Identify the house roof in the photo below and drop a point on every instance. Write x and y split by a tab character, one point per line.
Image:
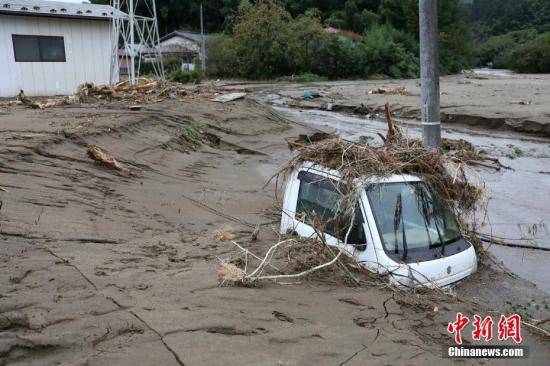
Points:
59	9
344	32
192	36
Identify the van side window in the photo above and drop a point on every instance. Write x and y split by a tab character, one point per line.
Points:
319	204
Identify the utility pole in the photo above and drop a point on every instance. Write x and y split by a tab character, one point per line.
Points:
203	47
429	74
131	22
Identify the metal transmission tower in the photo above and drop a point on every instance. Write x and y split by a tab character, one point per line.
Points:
136	36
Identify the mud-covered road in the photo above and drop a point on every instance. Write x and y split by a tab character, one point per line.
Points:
100	267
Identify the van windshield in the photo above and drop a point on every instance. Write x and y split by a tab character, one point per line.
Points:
411	219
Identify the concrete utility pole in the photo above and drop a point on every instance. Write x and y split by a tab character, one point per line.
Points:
429	74
203	47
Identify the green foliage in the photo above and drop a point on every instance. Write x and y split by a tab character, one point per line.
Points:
303	78
496	17
262	41
267	42
455	38
522	51
533	56
185	76
512	34
390	52
352	18
270	38
221	59
192	133
498	50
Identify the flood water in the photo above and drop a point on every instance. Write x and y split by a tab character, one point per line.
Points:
492	72
519	198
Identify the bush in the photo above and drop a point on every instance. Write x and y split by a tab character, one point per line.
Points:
263	41
388	51
497	50
267	43
303	78
185	76
220	56
533	57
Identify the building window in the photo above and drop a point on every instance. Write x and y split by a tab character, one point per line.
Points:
38	48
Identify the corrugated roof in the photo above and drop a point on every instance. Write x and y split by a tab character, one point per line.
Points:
193	36
59	9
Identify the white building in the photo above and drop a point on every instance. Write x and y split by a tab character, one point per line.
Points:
49	48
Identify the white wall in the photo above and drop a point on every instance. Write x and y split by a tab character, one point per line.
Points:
181	42
87	54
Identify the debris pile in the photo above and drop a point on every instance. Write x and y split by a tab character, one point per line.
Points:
445	174
387	90
293	258
25	100
147	91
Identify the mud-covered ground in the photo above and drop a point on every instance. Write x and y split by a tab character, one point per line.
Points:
100	267
517	102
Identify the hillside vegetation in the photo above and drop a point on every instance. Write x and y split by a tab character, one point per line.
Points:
261	39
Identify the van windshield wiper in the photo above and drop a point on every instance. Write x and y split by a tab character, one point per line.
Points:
432	217
398	219
440	237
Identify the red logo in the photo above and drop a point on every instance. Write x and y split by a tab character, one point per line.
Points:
482	328
457	326
508	328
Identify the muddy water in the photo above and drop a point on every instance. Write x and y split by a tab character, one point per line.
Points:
519	198
492	72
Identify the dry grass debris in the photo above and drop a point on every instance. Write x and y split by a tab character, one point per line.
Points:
25	100
97	154
387	90
231	274
145	92
224	234
446	175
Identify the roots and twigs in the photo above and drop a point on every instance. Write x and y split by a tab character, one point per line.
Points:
103	158
255	233
86	90
25	100
491	239
449	176
398	90
537	329
295	258
146	91
224	234
467	152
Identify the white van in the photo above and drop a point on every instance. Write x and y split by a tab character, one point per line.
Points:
401	228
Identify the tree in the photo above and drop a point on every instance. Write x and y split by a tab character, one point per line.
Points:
263	41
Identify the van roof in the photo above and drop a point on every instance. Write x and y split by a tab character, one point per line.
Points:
395	178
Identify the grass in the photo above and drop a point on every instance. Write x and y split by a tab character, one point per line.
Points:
303	78
192	133
515	153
